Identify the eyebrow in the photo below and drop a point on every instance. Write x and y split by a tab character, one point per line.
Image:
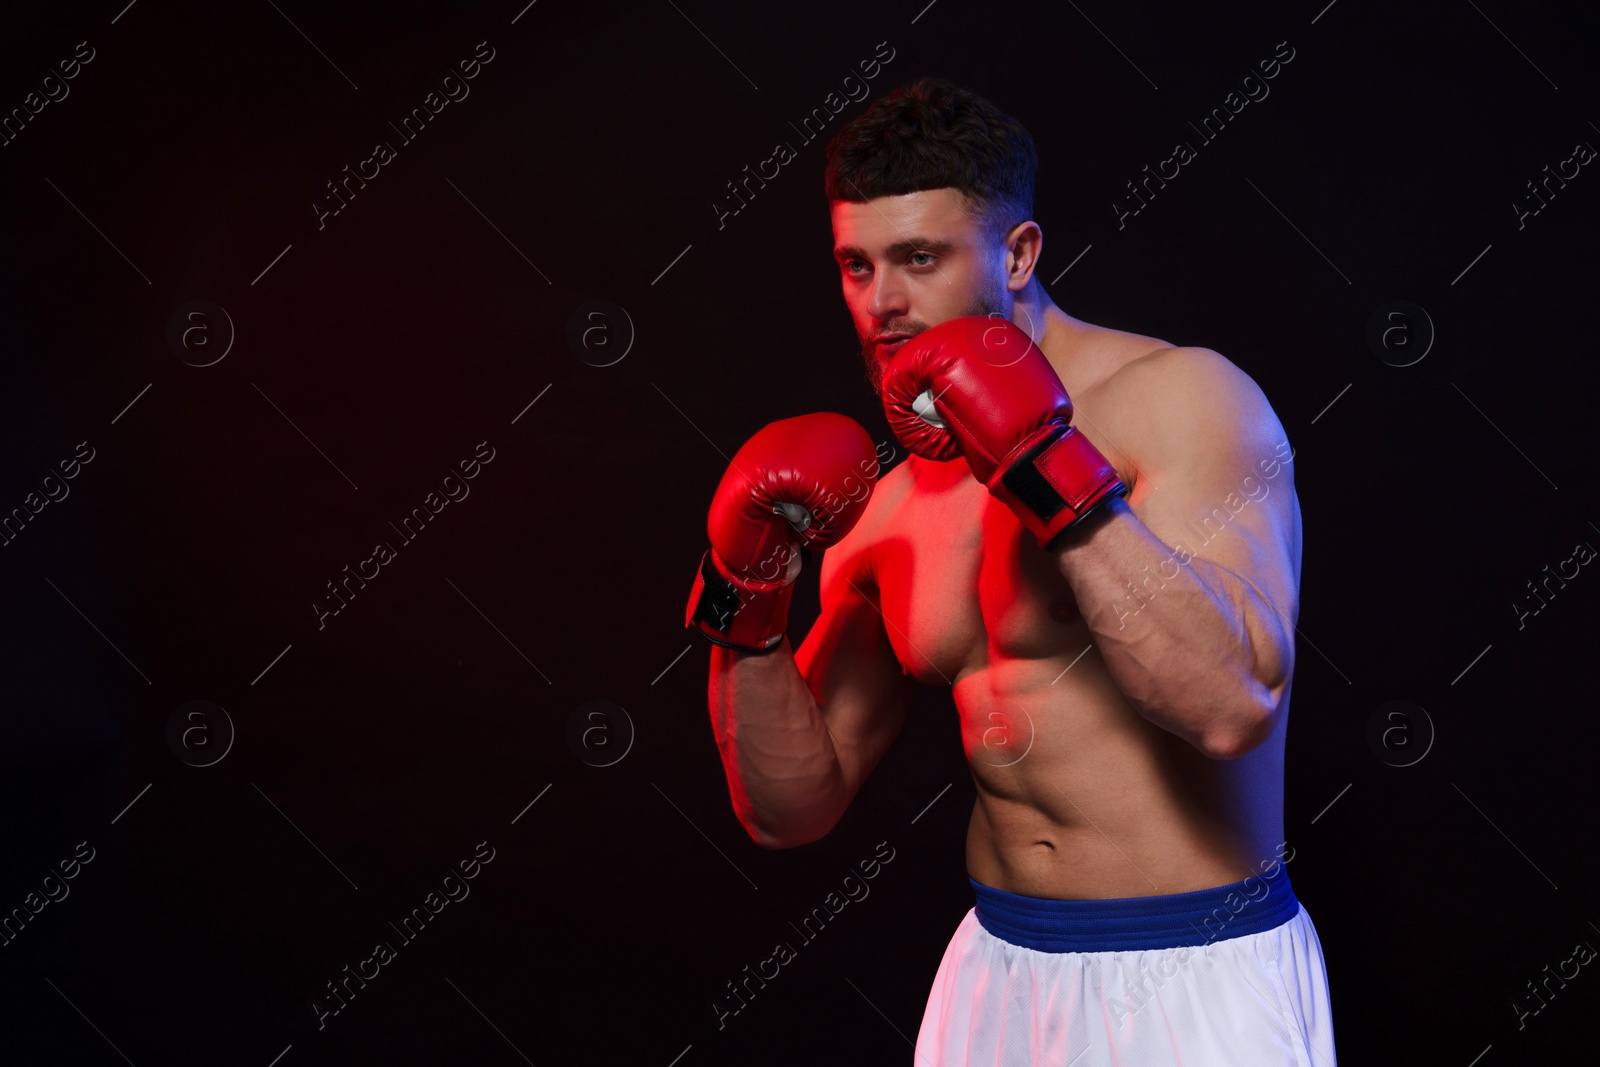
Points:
899	248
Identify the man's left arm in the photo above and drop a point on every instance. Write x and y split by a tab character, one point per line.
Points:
1190	586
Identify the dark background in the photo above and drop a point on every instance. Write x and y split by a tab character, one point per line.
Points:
423	719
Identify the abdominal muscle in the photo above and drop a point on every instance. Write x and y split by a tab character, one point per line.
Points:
1080	797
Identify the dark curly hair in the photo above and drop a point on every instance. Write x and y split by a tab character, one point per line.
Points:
933	134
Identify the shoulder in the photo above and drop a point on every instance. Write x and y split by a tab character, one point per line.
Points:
1090	356
1186	376
1181	413
1172	393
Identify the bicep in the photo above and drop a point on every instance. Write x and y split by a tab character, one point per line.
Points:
851	668
1219	481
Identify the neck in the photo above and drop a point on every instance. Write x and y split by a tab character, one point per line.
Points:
1034	311
1057	334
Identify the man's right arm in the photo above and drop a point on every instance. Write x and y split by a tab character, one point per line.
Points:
800	731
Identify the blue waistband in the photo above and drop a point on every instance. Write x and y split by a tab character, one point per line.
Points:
1127	924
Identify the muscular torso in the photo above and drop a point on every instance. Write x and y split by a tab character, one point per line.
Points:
1079	796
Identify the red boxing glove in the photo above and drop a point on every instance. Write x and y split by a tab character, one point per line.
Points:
980	388
799	484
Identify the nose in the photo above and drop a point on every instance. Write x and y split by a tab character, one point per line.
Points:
888	297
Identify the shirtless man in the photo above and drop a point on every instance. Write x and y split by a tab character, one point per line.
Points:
1112	605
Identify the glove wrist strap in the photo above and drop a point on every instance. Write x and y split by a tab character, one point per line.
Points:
744	614
1055	483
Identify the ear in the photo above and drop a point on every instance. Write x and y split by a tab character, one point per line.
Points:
1024	243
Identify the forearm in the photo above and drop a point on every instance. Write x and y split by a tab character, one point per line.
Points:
784	776
1197	650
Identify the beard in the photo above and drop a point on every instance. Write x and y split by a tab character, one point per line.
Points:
986	303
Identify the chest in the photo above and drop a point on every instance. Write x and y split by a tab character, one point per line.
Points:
962	583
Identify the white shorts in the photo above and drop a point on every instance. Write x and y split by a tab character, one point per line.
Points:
1231	976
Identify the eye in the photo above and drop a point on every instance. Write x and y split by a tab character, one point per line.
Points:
928	256
851	264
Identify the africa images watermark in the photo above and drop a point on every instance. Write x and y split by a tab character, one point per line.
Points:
855	889
1582	953
1211	126
1151	980
16	120
1582	153
455	889
1582	554
410	528
411	126
855	489
1253	488
33	503
855	90
54	889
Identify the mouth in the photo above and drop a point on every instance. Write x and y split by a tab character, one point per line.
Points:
888	344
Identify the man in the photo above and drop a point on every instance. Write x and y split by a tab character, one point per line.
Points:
1096	544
